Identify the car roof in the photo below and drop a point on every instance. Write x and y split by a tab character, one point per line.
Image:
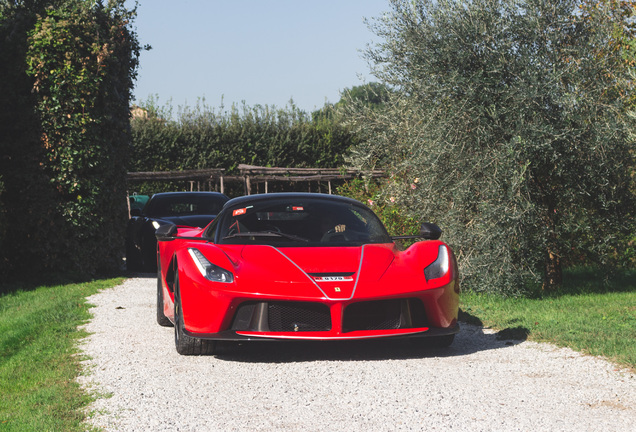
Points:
188	193
290	195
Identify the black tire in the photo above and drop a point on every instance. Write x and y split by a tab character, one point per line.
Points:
149	255
162	319
187	345
133	260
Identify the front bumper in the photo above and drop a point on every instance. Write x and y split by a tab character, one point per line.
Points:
298	320
231	335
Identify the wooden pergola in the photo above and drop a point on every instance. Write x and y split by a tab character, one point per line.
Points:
250	175
200	177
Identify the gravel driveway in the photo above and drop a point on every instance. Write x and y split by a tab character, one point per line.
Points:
478	384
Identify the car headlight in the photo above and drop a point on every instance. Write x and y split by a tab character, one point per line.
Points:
156	224
439	267
208	270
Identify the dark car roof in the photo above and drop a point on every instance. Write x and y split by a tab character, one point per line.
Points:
290	195
159	205
159	194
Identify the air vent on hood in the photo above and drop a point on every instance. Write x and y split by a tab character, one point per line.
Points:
342	274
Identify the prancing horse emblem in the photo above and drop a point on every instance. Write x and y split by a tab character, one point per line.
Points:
337	289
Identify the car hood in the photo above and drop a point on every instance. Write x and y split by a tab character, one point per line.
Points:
324	272
199	221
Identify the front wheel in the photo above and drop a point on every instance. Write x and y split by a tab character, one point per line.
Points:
133	259
187	345
149	255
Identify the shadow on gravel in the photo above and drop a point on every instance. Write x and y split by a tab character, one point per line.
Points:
141	275
469	340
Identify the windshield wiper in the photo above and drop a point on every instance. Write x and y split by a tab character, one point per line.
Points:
266	234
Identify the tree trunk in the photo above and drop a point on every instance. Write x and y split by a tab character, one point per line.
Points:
553	272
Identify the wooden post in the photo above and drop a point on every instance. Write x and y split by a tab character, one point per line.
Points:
329	181
222	186
265	186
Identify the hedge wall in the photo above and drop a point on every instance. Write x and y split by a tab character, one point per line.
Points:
68	72
205	137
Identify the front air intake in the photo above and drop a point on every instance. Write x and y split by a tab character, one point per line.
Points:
384	315
282	316
298	316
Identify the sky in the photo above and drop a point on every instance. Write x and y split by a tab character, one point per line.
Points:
261	52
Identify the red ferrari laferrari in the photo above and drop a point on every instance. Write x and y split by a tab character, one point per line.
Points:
302	266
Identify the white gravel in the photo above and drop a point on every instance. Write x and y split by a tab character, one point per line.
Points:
478	384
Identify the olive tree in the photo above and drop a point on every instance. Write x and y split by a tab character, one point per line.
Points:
506	128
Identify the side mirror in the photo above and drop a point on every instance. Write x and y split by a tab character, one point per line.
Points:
135	212
167	232
430	231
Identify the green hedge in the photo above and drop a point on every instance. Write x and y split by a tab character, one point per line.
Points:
205	137
68	72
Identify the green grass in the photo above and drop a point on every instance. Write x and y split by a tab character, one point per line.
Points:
589	315
39	358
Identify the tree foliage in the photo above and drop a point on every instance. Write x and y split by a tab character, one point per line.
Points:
390	213
620	43
506	129
373	94
69	74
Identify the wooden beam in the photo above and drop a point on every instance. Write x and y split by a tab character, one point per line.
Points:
252	169
202	174
251	174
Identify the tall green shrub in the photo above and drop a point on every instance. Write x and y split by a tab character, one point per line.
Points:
28	199
74	93
3	212
205	137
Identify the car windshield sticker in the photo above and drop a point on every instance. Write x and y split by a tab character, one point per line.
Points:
241	211
295	208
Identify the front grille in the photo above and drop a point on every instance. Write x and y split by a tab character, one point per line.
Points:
290	316
282	317
384	315
298	316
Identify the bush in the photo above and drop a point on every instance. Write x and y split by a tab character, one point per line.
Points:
68	134
205	137
370	193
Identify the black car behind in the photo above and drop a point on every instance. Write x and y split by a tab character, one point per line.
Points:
192	209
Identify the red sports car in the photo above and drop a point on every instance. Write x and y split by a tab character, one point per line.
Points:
302	266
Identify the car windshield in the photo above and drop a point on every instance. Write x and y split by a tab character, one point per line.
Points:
184	204
300	222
